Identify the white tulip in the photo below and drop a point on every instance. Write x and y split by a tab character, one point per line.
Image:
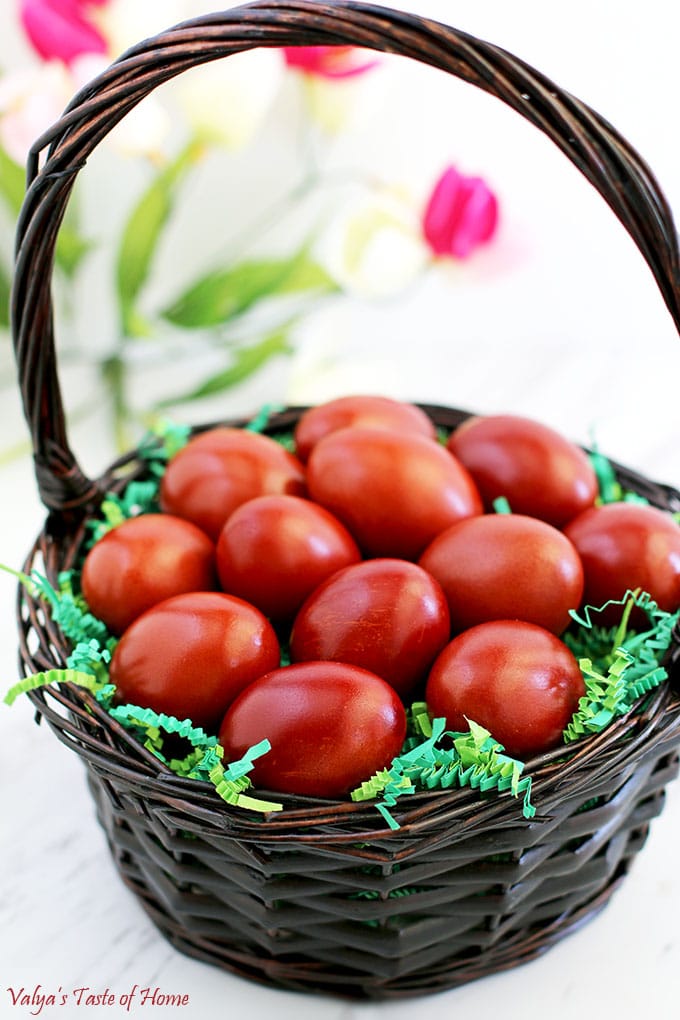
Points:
373	246
227	100
31	100
144	130
125	23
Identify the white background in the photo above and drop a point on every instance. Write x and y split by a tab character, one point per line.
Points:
564	323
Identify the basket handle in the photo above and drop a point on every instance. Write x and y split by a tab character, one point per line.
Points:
593	146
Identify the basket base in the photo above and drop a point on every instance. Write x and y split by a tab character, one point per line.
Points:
310	978
298	973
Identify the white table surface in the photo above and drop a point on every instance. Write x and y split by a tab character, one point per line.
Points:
574	333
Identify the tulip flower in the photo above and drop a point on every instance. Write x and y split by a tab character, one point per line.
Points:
327	61
226	102
373	246
124	23
60	29
30	100
461	213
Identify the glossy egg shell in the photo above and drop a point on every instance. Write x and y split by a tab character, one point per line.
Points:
361	410
539	471
506	566
515	679
143	561
330	726
393	492
387	616
275	550
220	469
191	655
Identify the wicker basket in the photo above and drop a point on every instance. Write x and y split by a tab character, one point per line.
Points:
308	899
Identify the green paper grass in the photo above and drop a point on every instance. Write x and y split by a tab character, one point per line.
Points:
91	641
443	760
610	489
151	725
618	666
231	782
501	505
164	440
69	610
203	762
52	676
90	657
261	419
138	498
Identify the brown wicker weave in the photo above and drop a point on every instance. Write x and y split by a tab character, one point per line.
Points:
309	898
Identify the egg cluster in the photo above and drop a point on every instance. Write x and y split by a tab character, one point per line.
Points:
372	564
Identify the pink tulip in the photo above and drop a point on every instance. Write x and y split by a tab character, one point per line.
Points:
461	213
327	61
60	30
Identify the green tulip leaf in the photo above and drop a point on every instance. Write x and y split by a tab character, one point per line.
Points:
143	232
246	361
12	182
225	294
71	249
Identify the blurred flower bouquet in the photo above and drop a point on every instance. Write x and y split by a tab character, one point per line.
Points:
220	306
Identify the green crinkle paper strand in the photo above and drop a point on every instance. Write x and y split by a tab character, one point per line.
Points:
261	419
204	761
51	676
232	781
138	498
471	759
165	439
69	610
609	487
626	666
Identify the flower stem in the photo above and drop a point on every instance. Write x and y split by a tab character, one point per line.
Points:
114	376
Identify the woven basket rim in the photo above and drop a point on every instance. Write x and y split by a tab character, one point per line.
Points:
556	765
558	776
